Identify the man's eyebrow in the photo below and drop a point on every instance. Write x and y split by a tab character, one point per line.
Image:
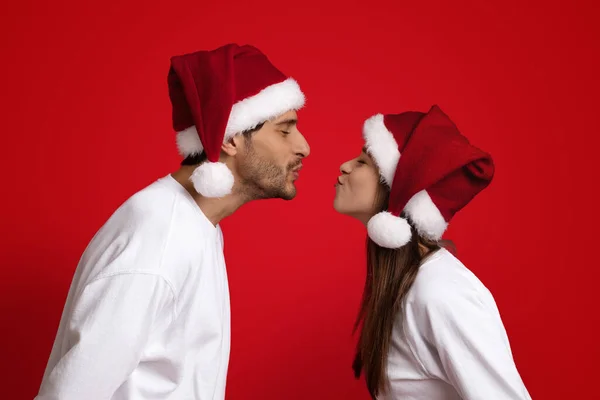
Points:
289	121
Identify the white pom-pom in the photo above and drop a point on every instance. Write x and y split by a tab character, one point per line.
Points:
389	231
212	179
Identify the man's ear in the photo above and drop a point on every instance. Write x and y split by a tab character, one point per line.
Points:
231	146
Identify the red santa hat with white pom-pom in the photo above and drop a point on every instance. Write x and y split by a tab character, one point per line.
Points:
218	94
432	171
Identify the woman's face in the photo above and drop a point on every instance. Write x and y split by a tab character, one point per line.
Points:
357	188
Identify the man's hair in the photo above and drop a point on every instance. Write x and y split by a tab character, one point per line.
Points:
196	159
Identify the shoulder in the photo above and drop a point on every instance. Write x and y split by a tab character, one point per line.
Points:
142	222
153	203
154	210
447	299
445	284
157	232
138	233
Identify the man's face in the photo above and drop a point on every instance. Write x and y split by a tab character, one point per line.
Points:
269	161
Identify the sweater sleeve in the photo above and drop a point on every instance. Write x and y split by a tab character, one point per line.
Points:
111	324
469	337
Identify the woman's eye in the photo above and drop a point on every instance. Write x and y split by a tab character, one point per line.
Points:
285	132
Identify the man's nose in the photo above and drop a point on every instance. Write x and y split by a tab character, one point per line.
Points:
302	147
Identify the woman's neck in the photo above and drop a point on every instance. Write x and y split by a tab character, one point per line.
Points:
423	250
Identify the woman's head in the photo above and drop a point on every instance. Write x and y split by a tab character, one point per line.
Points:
428	167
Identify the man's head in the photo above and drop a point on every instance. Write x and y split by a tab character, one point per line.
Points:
238	109
267	161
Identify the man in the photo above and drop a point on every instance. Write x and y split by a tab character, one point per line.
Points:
147	315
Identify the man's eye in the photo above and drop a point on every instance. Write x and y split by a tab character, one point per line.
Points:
361	162
286	132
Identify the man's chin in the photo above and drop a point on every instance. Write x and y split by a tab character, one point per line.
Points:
288	195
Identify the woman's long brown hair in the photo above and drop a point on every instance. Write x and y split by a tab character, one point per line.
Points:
390	275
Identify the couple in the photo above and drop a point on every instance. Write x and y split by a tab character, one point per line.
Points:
148	317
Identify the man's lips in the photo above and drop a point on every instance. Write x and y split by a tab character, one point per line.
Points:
296	171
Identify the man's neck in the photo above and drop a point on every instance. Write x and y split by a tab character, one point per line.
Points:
215	209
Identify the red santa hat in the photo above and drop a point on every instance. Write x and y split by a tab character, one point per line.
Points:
220	93
431	169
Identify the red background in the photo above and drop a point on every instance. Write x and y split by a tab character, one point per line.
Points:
85	123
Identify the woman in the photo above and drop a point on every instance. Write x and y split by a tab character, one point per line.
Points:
430	329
